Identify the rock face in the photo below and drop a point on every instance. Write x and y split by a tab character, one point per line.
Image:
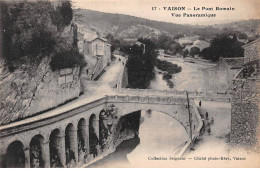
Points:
125	127
33	86
32	89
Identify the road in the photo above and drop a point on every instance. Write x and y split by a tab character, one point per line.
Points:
216	143
105	84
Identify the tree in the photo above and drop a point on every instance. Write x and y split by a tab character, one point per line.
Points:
29	31
110	38
164	41
184	53
223	46
63	15
140	66
194	51
175	47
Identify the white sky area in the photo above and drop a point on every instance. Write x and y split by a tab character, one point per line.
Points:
244	9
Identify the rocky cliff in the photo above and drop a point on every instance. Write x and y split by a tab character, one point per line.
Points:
32	38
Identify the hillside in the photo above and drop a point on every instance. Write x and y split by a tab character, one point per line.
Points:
125	26
245	26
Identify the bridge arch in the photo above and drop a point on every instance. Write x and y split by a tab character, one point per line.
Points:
56	146
15	156
82	135
36	152
178	111
71	146
93	136
181	122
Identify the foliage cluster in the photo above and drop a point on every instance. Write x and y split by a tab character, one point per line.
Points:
168	66
31	30
141	65
223	46
194	51
67	59
169	45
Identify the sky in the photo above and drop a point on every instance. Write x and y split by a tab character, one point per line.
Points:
244	9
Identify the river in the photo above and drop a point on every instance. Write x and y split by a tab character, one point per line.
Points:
159	134
189	79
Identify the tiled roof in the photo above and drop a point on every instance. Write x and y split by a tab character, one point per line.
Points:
91	39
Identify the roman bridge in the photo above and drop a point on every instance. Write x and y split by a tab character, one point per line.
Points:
69	136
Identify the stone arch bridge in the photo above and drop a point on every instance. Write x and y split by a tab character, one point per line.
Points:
69	138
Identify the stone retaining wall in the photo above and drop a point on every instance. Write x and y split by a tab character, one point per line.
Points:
32	89
245	113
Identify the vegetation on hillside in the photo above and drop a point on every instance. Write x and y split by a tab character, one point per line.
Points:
66	59
122	25
63	15
32	30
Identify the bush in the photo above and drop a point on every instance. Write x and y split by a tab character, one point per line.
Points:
194	51
167	76
168	66
184	53
67	59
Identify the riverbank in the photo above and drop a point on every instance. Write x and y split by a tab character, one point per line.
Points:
168	69
191	76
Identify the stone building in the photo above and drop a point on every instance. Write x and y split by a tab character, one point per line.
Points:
97	53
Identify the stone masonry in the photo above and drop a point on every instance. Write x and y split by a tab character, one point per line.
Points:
245	101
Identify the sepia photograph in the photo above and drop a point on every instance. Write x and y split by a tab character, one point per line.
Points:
129	84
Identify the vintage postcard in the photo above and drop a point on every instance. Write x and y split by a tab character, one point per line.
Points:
129	84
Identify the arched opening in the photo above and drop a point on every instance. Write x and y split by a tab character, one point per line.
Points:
36	146
15	155
93	138
82	140
69	144
55	148
103	129
159	132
